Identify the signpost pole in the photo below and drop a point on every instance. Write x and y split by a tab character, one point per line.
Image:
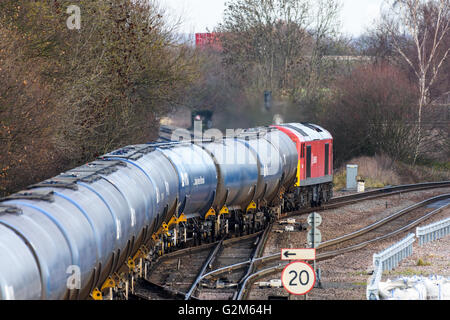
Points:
314	239
314	246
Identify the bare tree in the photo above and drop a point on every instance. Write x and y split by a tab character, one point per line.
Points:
417	29
125	71
26	117
271	44
67	96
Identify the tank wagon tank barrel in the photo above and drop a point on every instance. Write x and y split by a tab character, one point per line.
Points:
91	220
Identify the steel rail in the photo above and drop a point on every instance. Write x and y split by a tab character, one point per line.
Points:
258	251
338	240
369	195
390	189
191	250
382	221
330	254
150	286
207	262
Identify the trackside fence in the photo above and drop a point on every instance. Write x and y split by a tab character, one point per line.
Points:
387	260
433	231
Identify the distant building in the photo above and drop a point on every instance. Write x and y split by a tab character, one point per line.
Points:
208	40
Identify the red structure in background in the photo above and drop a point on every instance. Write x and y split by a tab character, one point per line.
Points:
208	40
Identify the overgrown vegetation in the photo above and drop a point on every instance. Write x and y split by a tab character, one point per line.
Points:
371	111
381	170
69	95
422	263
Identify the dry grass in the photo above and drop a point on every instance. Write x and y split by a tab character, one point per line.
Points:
377	172
434	171
381	170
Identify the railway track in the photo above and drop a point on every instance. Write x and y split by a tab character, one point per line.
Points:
390	226
177	275
229	287
341	201
244	265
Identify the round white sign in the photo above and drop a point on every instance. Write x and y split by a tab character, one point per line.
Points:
298	278
315	218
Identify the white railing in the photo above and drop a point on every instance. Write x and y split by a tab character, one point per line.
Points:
387	260
433	231
372	285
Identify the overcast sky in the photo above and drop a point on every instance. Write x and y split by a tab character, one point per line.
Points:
198	15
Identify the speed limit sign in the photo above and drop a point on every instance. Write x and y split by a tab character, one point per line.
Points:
298	278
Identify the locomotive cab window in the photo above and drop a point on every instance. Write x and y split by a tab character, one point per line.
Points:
302	153
327	153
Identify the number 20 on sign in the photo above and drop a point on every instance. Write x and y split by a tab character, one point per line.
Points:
298	278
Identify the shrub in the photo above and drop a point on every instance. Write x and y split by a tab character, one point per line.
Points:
372	112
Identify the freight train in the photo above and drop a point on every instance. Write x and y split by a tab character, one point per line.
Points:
62	238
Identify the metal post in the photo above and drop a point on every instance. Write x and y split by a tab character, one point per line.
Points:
313	246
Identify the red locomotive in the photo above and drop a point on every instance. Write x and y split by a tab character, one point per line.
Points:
314	174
